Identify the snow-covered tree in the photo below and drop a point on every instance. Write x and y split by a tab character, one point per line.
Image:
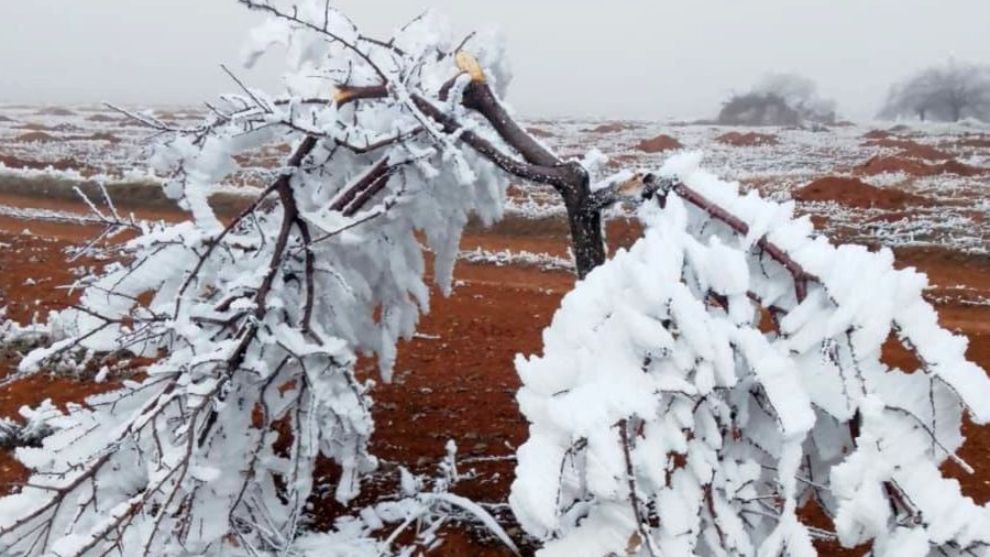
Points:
255	323
948	92
693	393
698	390
779	99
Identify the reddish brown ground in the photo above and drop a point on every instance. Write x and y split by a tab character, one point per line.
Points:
460	385
11	161
33	137
63	127
55	111
751	139
539	132
102	118
910	148
852	192
44	137
975	141
611	127
659	144
912	167
877	134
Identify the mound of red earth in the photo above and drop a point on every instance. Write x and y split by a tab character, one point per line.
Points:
877	134
899	129
99	136
852	192
611	127
978	141
622	160
44	137
910	149
538	132
751	139
36	127
102	118
882	165
55	111
35	137
61	164
659	144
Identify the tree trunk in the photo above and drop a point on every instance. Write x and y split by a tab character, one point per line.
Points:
569	178
585	222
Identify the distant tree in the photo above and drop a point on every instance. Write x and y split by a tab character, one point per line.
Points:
946	93
778	99
758	109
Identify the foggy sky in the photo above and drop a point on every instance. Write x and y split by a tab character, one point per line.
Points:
614	58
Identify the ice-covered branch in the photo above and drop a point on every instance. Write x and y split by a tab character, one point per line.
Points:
252	324
727	426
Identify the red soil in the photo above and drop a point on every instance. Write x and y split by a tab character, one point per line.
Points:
910	149
623	161
877	134
751	139
36	127
659	144
44	137
101	118
852	192
461	385
35	137
538	132
62	164
881	165
611	127
55	111
956	167
975	142
99	136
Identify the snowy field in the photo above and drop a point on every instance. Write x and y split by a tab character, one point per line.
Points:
97	144
919	187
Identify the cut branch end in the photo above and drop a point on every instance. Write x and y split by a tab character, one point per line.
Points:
468	64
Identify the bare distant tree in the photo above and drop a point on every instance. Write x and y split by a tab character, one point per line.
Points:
778	99
949	93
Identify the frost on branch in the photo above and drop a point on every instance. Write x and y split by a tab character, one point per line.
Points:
255	323
698	390
38	423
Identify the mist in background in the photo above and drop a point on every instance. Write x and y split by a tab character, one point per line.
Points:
618	59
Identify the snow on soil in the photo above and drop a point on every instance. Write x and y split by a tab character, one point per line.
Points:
94	143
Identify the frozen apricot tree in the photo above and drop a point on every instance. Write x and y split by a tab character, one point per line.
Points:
698	390
694	392
254	323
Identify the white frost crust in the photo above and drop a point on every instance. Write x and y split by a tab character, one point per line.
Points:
732	428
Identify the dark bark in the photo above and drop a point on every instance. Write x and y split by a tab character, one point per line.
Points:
799	275
538	163
479	96
587	237
541	166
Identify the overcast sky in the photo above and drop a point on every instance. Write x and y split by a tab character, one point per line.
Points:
614	58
